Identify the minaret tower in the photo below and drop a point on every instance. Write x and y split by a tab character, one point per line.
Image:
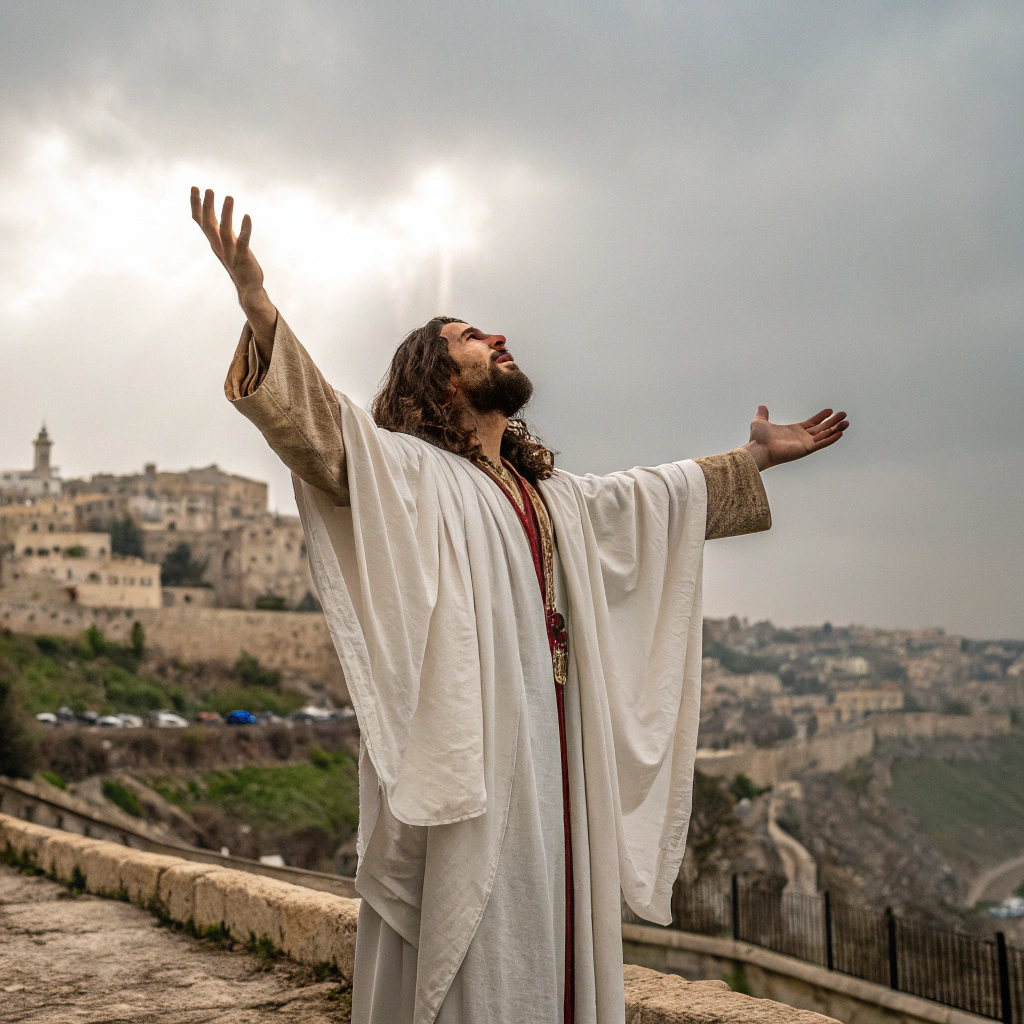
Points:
43	444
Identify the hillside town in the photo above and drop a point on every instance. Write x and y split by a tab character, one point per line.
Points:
880	766
147	540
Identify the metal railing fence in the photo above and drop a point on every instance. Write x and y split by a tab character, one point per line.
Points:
980	975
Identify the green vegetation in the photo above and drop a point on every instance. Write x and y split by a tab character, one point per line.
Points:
740	662
53	779
138	640
323	795
969	805
736	979
271	603
93	673
741	787
120	794
252	673
19	746
180	569
126	538
305	810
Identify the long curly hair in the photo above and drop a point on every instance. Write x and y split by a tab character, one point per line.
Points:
416	397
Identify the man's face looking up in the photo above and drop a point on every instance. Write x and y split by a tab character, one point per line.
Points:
488	375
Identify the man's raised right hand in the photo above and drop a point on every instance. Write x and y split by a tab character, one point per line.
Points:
246	274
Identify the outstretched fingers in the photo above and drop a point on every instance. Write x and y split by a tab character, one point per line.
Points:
244	234
830	434
827	425
206	218
227	235
816	419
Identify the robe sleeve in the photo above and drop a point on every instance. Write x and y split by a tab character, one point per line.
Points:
294	407
737	502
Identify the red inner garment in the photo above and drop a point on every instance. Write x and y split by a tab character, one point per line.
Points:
532	528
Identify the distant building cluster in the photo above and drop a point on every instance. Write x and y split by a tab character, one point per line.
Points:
763	686
142	540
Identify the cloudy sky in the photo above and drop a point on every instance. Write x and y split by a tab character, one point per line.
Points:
673	211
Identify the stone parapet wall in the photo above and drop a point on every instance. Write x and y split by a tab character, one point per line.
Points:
312	927
318	928
774	976
296	643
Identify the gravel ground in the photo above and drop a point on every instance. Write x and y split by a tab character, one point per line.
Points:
79	958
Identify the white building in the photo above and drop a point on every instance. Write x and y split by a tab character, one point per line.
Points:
41	481
83	567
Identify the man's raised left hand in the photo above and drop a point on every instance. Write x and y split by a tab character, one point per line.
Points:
775	443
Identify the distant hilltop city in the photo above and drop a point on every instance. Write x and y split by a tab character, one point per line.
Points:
147	540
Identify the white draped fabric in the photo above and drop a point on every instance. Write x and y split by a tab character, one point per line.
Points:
431	597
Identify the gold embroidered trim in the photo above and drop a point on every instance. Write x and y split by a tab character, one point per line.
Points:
504	478
559	648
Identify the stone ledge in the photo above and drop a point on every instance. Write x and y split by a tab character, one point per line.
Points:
315	927
653	998
310	926
820	977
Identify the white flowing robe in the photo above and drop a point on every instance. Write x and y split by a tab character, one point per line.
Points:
430	593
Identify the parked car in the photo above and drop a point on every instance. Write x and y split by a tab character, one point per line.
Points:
110	722
209	718
131	721
66	715
46	718
342	714
241	718
167	720
88	717
310	714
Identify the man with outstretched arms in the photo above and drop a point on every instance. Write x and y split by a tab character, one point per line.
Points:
522	647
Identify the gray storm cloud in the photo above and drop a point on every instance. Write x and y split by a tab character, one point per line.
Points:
673	214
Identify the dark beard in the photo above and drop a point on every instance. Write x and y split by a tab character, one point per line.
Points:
494	390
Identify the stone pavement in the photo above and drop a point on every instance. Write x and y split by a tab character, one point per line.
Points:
90	960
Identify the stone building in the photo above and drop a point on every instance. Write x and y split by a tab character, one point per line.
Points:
41	515
851	704
80	568
218	522
41	481
259	562
193	501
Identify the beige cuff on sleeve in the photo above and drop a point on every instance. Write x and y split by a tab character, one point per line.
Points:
737	502
294	407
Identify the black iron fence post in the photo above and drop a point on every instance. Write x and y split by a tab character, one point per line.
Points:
1004	979
829	960
890	927
736	907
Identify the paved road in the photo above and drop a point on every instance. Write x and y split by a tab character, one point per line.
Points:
801	870
89	960
997	883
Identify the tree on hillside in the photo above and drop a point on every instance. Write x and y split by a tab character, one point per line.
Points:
180	569
126	538
19	755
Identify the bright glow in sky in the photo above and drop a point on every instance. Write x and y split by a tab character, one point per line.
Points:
67	216
675	212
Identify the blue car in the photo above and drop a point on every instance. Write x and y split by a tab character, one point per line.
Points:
241	718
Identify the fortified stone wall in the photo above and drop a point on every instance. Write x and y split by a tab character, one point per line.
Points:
770	767
296	643
919	725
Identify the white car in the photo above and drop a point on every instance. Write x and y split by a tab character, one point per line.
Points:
131	721
310	714
167	720
110	721
46	718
